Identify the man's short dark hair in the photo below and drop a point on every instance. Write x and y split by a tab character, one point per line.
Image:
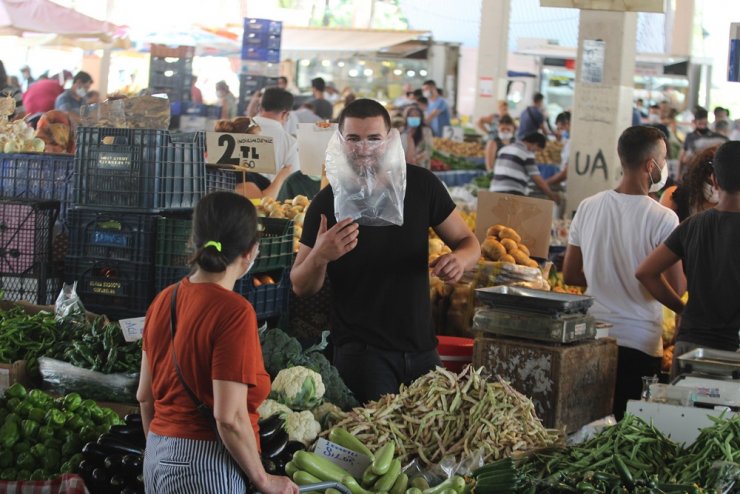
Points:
506	120
283	79
727	166
364	108
538	97
418	93
318	84
655	107
536	138
637	144
82	77
276	99
700	113
429	82
422	100
563	117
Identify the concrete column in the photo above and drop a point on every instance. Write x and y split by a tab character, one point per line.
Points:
493	50
678	40
602	110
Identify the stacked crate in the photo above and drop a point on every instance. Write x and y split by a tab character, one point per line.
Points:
171	71
124	180
274	260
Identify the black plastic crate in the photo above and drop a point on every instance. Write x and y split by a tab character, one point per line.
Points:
39	177
268	300
143	169
26	232
112	234
165	276
118	289
276	245
218	179
39	289
173	241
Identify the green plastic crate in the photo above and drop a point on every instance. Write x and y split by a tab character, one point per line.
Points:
276	245
173	242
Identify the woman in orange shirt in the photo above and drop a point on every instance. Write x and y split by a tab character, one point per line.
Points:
210	354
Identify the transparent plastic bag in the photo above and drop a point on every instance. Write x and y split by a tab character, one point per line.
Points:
591	429
368	179
62	378
68	303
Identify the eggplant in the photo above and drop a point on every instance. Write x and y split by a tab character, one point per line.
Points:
273	446
99	480
132	465
133	419
85	468
132	434
270	426
129	490
270	467
94	453
290	450
110	444
117	482
113	463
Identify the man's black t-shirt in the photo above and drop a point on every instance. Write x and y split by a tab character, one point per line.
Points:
707	242
380	289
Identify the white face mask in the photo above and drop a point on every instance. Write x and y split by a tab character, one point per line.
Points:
654	118
81	92
655	187
505	136
251	263
710	193
427	94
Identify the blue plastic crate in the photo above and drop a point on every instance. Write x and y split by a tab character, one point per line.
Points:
269	300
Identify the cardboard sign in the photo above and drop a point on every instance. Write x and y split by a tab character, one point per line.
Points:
312	142
352	461
530	217
253	153
132	329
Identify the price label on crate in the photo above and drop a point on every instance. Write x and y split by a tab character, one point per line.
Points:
133	329
254	153
353	462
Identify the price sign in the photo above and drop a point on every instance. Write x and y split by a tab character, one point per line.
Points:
312	142
132	329
253	153
351	461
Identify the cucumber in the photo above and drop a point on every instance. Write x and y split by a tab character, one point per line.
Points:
385	482
343	438
304	478
290	469
384	458
351	484
319	467
399	486
368	477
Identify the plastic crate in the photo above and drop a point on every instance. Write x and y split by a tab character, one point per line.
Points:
268	300
276	245
38	176
26	232
118	289
37	289
165	276
182	51
149	170
173	242
112	234
218	179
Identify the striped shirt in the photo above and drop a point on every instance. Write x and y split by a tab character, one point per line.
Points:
513	168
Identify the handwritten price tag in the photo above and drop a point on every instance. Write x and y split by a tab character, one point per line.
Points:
353	462
132	329
256	153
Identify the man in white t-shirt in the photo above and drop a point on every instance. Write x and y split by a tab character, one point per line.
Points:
275	106
611	234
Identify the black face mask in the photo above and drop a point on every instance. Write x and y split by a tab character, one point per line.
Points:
703	131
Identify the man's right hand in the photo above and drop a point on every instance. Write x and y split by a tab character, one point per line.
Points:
278	485
333	243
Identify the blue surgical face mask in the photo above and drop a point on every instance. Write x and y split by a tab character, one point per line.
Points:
566	134
413	121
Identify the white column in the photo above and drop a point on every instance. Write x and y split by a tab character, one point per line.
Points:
493	50
602	109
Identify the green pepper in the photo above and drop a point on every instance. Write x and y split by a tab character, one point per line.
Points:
51	460
72	445
9	434
13	417
3	413
6	458
29	429
12	404
38	474
38	450
39	398
75	423
17	390
67	467
26	460
23	475
72	402
8	474
45	432
21	447
55	418
24	409
87	404
36	414
53	444
87	433
75	459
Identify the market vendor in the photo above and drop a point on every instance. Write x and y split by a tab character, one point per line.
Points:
706	243
382	328
202	375
611	234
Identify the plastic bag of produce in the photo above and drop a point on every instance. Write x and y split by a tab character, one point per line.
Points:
62	378
68	303
368	178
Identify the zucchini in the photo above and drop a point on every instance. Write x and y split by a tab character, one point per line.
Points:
413	490
399	486
301	477
290	469
368	477
351	484
384	458
385	482
320	467
342	437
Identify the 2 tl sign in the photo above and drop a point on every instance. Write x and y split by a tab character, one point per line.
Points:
256	153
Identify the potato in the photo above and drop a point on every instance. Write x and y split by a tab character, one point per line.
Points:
507	258
300	200
509	244
494	230
519	256
435	246
492	249
523	248
510	233
277	213
532	263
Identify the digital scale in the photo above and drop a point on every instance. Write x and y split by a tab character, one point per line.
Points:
709	385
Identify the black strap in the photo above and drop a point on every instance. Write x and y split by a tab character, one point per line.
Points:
202	408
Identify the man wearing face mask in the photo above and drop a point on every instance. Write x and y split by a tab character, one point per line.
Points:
438	113
417	139
701	137
73	98
705	242
382	326
611	234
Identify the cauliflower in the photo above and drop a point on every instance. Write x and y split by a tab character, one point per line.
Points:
268	408
298	387
302	427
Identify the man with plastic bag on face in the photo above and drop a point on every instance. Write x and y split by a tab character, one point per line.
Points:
368	231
